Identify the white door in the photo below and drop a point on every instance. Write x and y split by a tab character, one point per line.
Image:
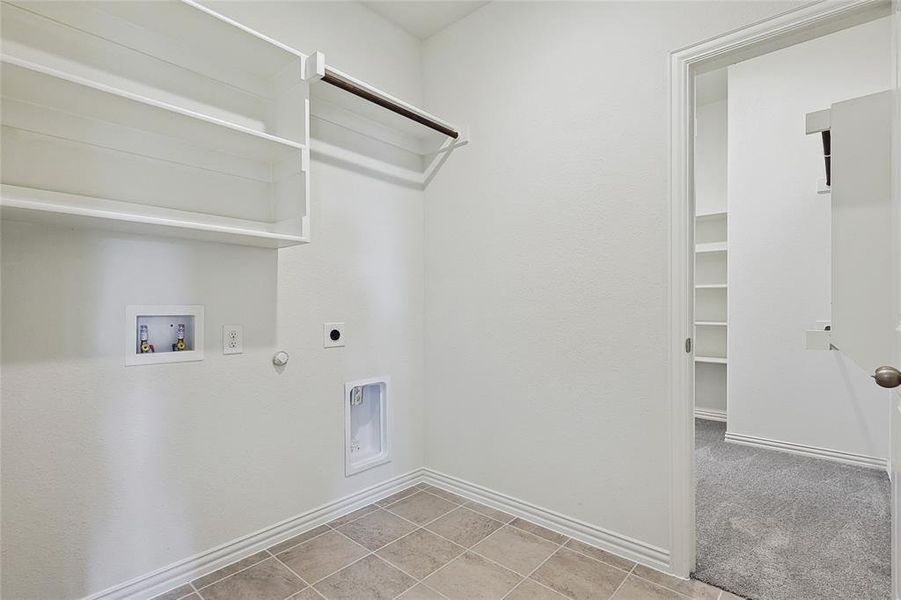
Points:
866	261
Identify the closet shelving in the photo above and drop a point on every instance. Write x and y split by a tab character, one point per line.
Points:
711	288
169	118
153	117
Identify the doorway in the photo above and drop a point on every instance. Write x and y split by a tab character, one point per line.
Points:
704	240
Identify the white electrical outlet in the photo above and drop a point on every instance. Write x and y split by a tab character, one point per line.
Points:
332	335
232	339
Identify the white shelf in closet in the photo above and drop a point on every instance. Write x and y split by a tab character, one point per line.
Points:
710	247
711	286
714	360
711	323
39	91
712	215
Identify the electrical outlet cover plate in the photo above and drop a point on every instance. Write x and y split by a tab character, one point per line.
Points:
232	339
333	335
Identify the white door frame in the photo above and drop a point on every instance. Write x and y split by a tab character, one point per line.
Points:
806	22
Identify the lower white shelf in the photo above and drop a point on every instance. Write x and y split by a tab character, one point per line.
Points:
716	360
29	204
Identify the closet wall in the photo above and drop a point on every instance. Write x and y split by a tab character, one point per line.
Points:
110	472
779	247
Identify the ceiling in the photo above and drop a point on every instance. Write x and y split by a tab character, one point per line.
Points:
422	18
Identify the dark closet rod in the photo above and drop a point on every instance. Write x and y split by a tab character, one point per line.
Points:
349	86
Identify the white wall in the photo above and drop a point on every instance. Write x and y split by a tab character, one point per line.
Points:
546	253
111	472
710	157
779	247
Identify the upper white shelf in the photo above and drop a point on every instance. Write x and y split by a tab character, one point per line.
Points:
182	32
36	85
711	286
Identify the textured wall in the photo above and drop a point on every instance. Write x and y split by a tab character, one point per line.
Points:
111	472
547	256
779	247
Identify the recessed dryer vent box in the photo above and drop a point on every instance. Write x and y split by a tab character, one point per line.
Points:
157	334
365	425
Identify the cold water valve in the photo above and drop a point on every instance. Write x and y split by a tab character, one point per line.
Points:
146	347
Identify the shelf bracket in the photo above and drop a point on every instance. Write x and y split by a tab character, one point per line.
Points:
314	67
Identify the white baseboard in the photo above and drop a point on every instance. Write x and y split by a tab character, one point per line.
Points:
189	569
183	571
710	414
617	543
849	458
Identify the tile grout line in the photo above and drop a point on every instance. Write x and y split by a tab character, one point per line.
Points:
622	583
541	564
459	506
471	548
634	564
318	535
669	589
293	572
200	589
465	550
267	551
373	553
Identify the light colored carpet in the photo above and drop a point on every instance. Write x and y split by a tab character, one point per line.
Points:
777	526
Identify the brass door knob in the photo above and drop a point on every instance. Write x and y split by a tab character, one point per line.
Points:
888	377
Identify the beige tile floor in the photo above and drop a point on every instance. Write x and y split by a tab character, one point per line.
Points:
425	543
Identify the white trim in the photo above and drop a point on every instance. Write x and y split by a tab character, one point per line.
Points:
710	414
806	22
848	458
186	570
617	543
